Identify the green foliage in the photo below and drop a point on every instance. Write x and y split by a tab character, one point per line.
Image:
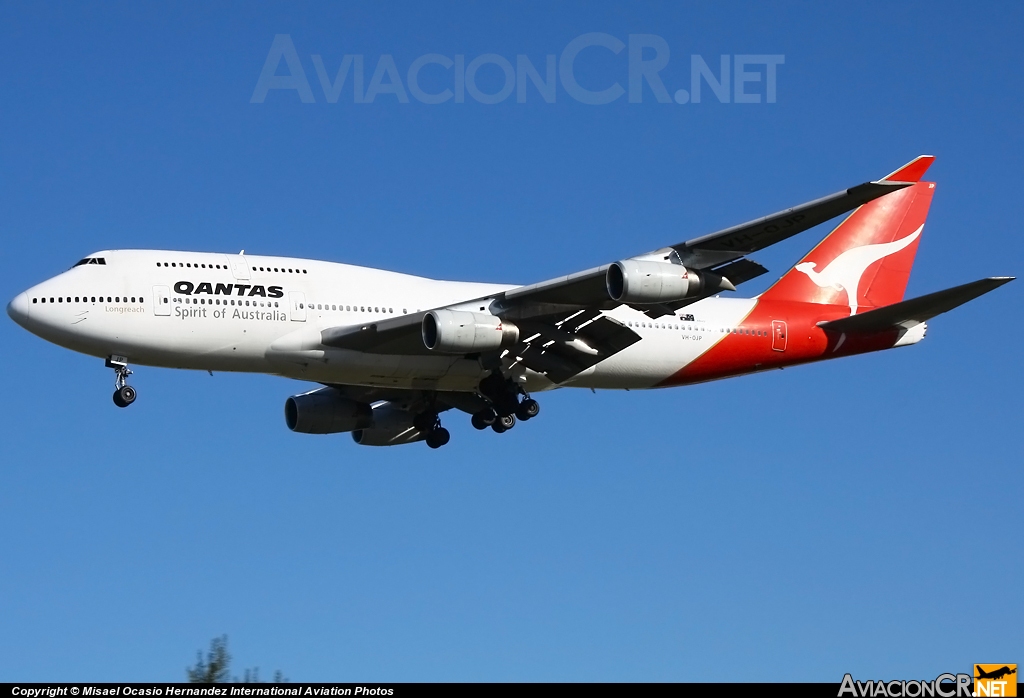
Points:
216	668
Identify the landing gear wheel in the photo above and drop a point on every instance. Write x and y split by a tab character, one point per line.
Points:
125	396
483	419
504	423
528	409
438	437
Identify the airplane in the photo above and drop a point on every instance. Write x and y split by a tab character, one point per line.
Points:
995	674
392	351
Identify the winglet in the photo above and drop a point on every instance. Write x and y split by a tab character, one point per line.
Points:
913	171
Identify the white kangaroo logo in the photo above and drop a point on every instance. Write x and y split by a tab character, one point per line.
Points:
843	273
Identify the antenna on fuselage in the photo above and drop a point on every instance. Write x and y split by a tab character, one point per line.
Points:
241	252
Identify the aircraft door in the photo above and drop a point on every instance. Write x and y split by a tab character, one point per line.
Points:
161	300
239	267
298	306
779	335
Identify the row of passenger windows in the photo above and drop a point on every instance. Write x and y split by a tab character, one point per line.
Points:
353	308
190	265
698	328
90	299
218	301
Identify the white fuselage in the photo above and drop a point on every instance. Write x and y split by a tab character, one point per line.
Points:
261	314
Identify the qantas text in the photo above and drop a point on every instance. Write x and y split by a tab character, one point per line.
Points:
187	288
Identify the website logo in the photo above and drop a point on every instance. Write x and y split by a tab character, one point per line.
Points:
995	679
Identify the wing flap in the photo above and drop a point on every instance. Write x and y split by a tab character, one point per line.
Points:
552	352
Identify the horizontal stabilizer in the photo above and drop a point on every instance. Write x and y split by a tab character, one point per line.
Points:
915	310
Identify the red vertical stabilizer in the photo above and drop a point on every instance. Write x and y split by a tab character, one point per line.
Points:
865	262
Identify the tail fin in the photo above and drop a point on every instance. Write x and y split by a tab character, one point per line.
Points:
865	262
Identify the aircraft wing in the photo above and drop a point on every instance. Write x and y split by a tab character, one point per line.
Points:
397	335
722	253
709	251
562	330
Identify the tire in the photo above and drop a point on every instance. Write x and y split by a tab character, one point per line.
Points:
117	399
127	394
528	409
442	436
484	418
498	427
506	421
438	437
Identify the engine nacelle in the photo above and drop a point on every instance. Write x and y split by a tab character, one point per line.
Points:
646	282
388	437
325	411
460	332
390	426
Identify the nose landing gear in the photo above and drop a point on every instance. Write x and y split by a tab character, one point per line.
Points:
124	394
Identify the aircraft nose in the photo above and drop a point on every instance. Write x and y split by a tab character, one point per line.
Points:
18	309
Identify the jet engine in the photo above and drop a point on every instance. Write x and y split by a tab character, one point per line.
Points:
460	332
646	282
325	411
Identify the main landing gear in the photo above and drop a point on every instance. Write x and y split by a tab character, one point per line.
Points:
124	394
437	435
504	394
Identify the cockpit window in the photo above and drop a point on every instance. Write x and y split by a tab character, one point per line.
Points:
90	260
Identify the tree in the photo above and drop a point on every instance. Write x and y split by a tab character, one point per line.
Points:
216	668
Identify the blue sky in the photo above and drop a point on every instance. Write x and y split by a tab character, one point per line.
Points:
852	516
